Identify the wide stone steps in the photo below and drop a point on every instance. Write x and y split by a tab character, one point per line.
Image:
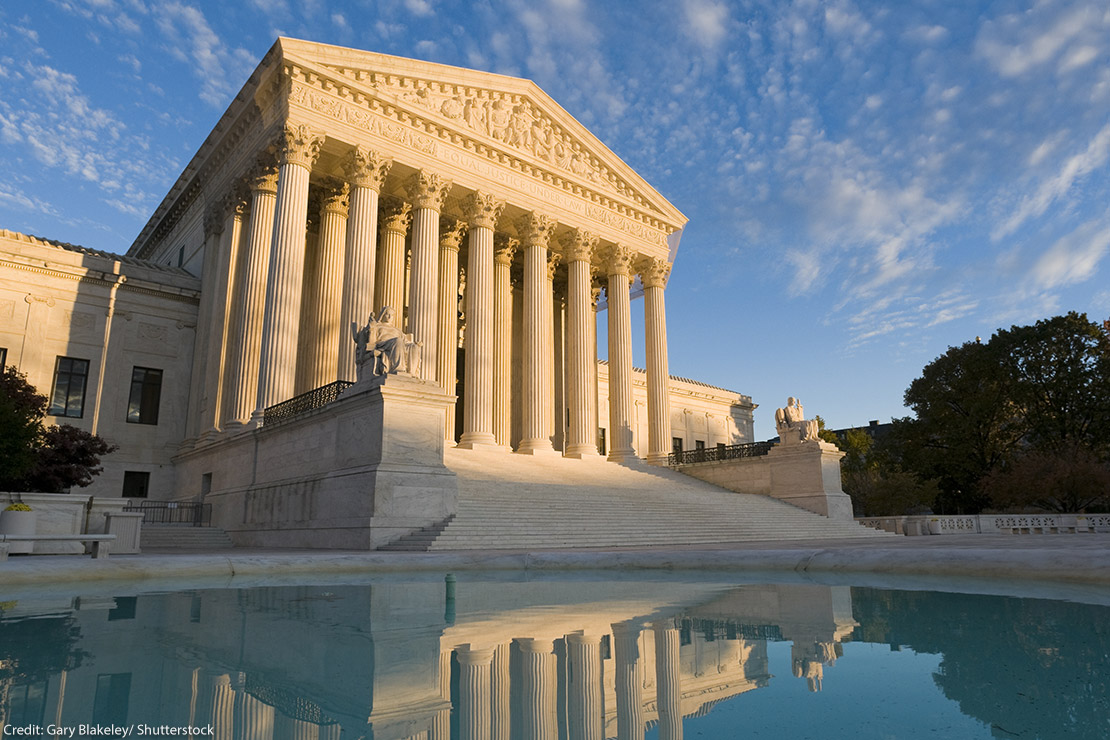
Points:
182	537
511	501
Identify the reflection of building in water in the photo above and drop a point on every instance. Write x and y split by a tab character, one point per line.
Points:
514	660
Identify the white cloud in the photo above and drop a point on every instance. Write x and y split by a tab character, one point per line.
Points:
1074	168
220	68
420	7
1073	258
706	22
1019	43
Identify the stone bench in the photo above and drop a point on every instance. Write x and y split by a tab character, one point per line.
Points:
99	544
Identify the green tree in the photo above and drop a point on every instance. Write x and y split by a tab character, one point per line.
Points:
37	458
981	407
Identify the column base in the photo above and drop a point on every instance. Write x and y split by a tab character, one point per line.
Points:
582	452
473	440
536	447
621	456
658	458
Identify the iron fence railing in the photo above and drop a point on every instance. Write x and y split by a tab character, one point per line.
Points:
173	512
721	452
315	399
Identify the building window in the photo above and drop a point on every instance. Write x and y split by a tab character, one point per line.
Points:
135	484
70	377
721	447
676	445
146	392
699	444
110	703
601	441
27	703
3	357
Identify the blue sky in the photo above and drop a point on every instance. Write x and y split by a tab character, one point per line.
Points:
867	183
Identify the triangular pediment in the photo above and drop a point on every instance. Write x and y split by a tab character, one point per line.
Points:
505	113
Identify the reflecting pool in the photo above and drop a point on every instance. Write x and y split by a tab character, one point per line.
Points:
487	656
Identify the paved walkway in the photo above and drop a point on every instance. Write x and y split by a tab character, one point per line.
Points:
997	563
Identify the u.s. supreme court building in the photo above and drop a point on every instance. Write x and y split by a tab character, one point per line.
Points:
344	189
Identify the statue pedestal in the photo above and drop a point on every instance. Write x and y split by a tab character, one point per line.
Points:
807	475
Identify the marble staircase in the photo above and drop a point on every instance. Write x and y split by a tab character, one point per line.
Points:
550	502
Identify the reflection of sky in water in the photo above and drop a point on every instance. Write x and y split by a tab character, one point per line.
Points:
561	659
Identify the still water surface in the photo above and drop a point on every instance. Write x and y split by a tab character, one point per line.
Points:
505	658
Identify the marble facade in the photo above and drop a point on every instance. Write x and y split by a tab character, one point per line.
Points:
341	182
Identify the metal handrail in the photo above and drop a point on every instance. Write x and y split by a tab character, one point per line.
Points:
314	399
173	512
723	452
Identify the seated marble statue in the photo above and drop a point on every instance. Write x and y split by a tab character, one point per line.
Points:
381	348
791	424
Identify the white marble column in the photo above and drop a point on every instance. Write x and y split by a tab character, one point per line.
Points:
427	191
365	171
227	224
298	149
668	688
556	405
447	329
581	358
474	693
500	689
390	290
629	674
537	668
585	708
482	212
619	270
322	355
595	296
535	230
504	249
223	708
653	275
251	302
254	720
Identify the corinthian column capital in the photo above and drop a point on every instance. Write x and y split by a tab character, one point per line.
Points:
482	209
263	178
579	246
300	145
618	260
654	272
504	247
552	264
451	232
214	218
428	190
334	196
366	168
396	215
535	229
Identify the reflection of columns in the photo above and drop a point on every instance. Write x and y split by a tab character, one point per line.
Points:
504	248
287	728
323	320
535	229
482	212
668	690
629	677
654	277
441	721
474	693
390	290
254	720
223	708
582	432
250	305
427	191
499	690
584	700
447	329
620	355
277	367
537	699
365	171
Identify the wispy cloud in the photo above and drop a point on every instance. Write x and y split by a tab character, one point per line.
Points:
219	67
1073	258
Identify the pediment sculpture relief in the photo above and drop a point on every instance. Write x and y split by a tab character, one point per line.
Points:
381	348
791	424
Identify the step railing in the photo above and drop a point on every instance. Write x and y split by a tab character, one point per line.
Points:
990	523
317	398
720	452
173	512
